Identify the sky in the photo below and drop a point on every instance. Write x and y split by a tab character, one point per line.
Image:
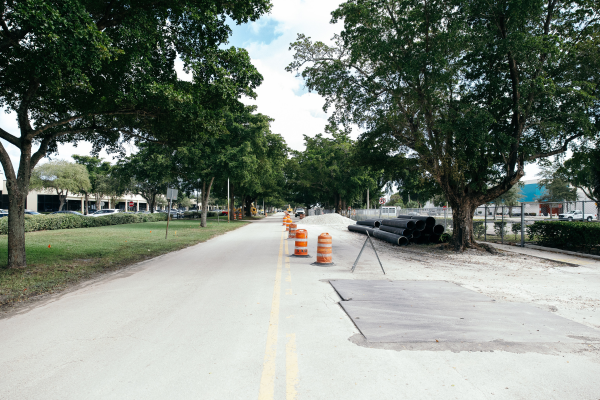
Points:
282	95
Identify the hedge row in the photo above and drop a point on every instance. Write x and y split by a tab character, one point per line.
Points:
565	234
70	221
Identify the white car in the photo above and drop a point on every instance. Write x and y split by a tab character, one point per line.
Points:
102	213
576	215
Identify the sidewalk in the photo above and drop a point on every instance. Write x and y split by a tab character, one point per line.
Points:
550	255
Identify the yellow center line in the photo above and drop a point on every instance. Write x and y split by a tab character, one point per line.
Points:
291	368
267	380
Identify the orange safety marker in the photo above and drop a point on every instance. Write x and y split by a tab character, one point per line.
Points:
234	216
301	247
288	221
292	234
324	254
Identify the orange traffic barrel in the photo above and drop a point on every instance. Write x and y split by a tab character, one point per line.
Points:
284	219
324	249
288	221
292	234
301	248
234	215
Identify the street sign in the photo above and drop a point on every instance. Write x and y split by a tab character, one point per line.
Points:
131	204
382	200
171	194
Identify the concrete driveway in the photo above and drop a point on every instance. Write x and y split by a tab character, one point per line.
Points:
237	318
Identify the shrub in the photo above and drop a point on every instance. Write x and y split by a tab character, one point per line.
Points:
516	229
70	221
445	237
500	228
478	228
565	234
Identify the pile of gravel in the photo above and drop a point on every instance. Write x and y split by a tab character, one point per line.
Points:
326	219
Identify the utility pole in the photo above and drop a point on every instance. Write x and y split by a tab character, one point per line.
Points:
368	204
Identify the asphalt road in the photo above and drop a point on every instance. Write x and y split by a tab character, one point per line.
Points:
236	318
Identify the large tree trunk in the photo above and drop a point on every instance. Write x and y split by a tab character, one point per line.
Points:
205	196
16	224
232	201
17	186
338	203
62	198
249	200
86	205
462	223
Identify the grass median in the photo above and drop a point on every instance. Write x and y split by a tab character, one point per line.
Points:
59	258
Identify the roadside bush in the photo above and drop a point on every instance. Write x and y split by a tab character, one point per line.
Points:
516	229
565	234
500	228
71	221
478	228
445	237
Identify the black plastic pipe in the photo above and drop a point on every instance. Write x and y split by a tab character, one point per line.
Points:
390	237
434	239
438	229
429	221
361	229
370	222
400	223
397	231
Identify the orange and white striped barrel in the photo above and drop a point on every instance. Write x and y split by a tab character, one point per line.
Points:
284	219
301	246
240	215
324	249
292	234
288	221
234	216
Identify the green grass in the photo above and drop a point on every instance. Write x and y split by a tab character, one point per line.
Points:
77	254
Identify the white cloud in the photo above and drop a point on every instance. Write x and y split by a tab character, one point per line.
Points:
281	96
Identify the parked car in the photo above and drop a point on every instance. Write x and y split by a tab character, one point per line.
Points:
576	215
30	212
224	213
102	213
299	211
3	213
67	212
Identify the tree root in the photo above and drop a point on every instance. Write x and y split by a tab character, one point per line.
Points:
486	247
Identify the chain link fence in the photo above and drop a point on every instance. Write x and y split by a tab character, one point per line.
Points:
501	224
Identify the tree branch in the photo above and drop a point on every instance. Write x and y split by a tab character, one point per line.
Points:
7	164
561	149
71	119
10	138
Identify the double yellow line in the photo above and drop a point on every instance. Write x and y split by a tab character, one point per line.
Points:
267	380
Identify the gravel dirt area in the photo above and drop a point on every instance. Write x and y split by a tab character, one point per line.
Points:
571	292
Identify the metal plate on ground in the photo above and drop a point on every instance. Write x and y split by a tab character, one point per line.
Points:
409	292
449	313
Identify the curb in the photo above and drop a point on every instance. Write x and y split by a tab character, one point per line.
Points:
560	251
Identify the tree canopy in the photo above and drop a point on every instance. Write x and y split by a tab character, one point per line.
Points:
104	72
327	173
472	89
62	177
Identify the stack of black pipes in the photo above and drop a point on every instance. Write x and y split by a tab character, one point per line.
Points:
402	230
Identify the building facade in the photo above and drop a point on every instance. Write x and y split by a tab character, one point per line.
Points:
47	201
